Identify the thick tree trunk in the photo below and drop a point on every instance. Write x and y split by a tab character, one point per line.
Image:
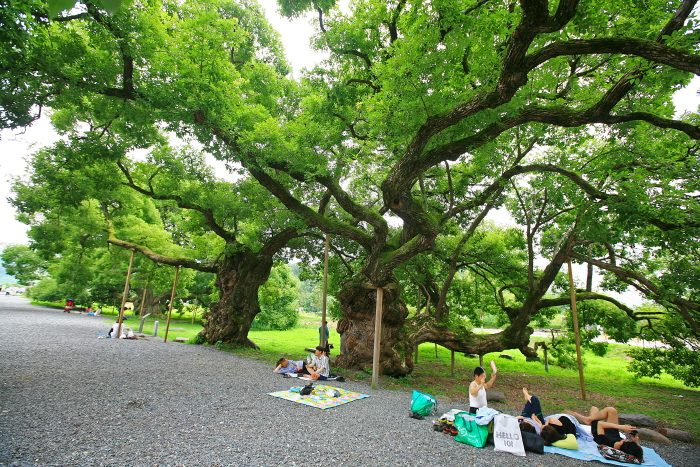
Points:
238	281
358	304
155	305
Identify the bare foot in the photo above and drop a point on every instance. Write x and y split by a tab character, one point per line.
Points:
527	395
581	418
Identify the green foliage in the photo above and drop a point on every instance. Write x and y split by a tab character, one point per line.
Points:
199	340
682	363
296	8
421	113
110	6
563	351
23	263
673	350
46	290
279	299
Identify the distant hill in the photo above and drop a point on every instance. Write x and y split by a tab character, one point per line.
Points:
5	278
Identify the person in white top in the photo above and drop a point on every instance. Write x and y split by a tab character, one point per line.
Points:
478	387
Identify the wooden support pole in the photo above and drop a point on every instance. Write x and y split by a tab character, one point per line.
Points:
143	300
415	360
377	338
172	299
546	360
576	332
325	292
436	351
126	292
453	363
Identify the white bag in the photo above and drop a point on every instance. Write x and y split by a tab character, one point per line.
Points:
506	435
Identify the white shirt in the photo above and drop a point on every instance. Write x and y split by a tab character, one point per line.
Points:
478	401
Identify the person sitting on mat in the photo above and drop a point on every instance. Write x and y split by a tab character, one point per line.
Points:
606	428
289	366
320	366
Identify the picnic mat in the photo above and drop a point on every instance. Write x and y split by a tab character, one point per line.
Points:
588	451
318	398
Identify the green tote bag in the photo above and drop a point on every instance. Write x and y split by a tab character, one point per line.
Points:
469	432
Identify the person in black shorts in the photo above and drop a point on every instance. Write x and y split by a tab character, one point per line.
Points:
531	418
605	428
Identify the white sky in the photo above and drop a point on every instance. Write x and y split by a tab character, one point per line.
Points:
16	146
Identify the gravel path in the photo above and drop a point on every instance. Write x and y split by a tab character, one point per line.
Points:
70	399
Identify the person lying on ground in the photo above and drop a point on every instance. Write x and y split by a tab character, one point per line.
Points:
289	366
556	428
531	418
320	366
605	427
478	387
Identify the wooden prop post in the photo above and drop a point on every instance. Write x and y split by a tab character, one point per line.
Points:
576	332
546	360
415	360
325	292
453	363
377	338
143	299
126	292
172	299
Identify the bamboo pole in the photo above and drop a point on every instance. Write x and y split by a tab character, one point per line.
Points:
377	338
172	299
126	291
143	299
415	360
325	292
576	332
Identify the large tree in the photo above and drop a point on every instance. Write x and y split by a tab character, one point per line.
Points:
436	105
425	115
172	210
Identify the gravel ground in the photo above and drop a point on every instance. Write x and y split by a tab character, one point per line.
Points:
70	399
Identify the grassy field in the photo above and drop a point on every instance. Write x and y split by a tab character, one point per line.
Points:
607	381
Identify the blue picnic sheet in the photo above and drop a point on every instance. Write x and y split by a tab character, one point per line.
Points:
588	451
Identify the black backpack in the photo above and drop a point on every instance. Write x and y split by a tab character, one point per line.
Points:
306	390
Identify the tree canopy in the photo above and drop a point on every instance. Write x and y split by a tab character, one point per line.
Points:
425	118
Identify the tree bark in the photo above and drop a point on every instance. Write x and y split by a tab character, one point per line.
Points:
358	304
238	280
153	304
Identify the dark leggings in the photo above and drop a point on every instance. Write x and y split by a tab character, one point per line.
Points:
533	407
